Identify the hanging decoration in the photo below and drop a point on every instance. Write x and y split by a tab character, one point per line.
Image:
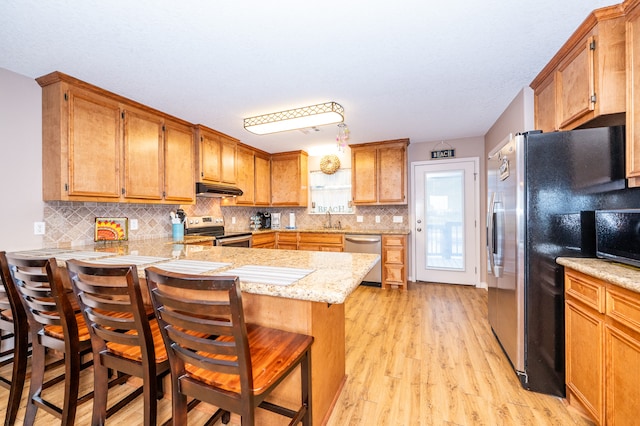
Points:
343	136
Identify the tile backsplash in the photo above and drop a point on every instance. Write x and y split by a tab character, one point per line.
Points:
71	224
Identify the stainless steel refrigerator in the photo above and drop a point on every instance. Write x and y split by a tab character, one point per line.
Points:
542	191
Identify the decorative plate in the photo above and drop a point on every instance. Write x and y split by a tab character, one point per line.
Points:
329	164
111	229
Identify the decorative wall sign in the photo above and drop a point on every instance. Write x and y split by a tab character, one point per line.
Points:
111	229
443	153
446	152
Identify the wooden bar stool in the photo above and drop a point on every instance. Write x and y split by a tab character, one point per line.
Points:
13	325
122	336
235	365
53	324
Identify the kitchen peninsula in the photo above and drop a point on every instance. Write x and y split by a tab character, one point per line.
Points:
312	304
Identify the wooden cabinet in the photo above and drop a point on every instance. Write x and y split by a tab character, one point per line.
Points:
98	146
287	240
394	261
622	355
289	179
263	179
245	175
179	164
216	156
253	177
264	240
633	92
584	340
318	241
379	172
585	82
544	104
602	348
143	155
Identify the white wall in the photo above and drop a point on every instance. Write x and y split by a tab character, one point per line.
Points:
21	167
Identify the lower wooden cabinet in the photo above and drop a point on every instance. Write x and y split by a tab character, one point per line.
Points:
316	241
602	330
394	261
264	240
287	240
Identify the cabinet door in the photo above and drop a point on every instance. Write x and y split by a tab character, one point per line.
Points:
94	146
545	105
263	181
179	183
623	376
394	255
143	155
576	84
210	154
245	176
633	97
391	175
289	179
363	176
584	331
228	160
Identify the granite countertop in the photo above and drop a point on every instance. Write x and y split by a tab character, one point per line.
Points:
334	276
359	231
617	273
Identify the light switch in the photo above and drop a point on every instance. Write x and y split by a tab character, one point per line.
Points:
38	228
377	219
133	224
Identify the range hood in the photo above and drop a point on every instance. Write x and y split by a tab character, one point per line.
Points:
216	190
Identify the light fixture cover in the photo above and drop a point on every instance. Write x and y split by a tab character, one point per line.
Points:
298	118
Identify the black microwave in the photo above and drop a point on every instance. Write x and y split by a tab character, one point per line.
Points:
618	235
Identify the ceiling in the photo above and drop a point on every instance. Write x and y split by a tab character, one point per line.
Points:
427	70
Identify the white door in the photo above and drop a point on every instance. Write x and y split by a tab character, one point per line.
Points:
446	215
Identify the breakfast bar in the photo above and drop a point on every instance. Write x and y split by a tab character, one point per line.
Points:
298	291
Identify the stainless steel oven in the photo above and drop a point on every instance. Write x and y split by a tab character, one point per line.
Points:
214	227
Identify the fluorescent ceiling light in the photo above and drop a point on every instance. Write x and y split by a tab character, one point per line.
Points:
298	118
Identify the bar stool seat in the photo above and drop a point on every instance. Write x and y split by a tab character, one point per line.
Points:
235	366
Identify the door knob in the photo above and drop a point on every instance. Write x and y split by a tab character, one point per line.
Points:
419	220
419	229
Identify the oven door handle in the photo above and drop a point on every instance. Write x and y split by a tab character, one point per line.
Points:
231	240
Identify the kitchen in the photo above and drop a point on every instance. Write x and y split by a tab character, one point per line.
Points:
70	220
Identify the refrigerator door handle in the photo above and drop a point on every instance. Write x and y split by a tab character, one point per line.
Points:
490	234
498	237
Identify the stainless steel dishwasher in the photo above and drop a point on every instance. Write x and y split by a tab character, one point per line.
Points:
364	243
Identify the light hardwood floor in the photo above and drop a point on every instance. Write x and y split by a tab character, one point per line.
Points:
425	356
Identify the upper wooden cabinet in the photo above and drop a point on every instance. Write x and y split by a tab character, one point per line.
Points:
253	177
379	172
216	156
289	179
585	81
98	146
632	9
263	178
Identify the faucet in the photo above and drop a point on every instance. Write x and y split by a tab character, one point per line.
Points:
329	214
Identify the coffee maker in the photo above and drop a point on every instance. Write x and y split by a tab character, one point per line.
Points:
265	219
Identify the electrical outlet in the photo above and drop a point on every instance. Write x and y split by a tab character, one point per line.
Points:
397	219
38	228
133	224
377	219
359	219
